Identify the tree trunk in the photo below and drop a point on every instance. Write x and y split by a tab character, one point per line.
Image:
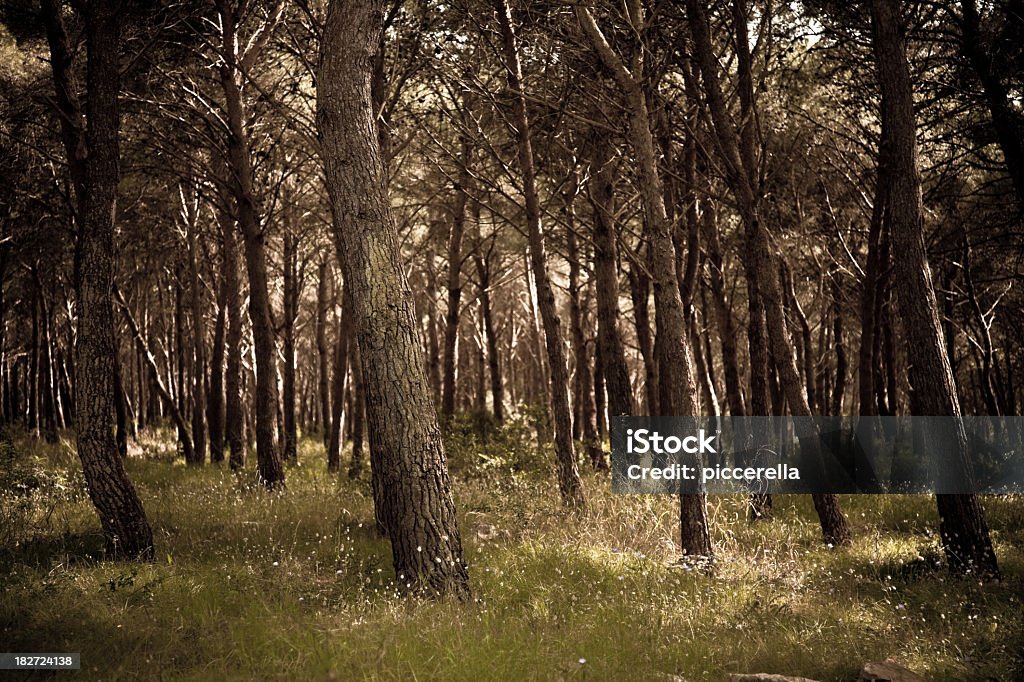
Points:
125	528
407	453
677	388
569	484
199	353
458	224
323	361
290	313
215	405
234	408
584	377
483	272
965	535
271	470
609	340
739	158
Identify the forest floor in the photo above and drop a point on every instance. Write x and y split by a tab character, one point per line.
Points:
298	586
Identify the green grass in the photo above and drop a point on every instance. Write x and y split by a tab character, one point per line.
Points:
297	586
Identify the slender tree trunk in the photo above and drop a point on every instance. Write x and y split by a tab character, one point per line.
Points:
177	415
611	350
271	470
199	353
458	224
341	363
483	272
964	532
323	362
290	313
215	406
407	453
234	407
739	158
569	484
584	378
676	377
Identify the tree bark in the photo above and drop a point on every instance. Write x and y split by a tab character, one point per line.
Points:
289	316
739	158
962	525
125	527
610	347
407	453
677	387
269	464
569	484
483	272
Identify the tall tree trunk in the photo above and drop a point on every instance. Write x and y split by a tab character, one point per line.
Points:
407	453
234	409
290	313
584	378
458	224
483	273
611	350
199	352
569	484
215	404
323	361
739	158
125	527
271	470
964	532
341	362
677	387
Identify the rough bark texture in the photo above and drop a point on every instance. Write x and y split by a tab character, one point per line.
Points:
125	528
965	535
407	453
569	483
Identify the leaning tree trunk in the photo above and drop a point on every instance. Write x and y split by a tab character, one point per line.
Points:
407	453
569	484
760	261
125	528
677	389
962	525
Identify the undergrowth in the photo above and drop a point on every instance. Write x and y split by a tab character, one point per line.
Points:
298	586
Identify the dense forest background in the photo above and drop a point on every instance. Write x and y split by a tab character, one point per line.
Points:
341	258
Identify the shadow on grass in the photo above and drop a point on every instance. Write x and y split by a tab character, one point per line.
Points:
45	551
